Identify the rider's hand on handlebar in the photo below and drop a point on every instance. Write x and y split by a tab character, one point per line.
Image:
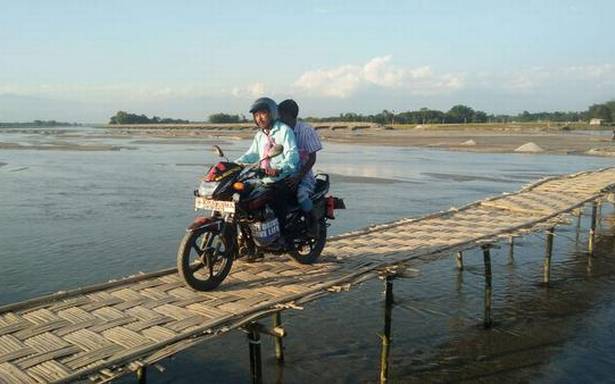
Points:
272	171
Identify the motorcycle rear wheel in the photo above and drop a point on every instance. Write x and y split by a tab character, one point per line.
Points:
204	259
307	252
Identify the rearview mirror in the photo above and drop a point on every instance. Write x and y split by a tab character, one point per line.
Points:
218	150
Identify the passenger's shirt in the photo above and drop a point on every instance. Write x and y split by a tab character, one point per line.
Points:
287	162
308	142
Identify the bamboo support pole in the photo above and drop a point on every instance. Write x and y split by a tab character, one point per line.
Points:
459	260
592	230
386	336
277	340
487	260
254	342
511	250
548	253
142	375
459	282
579	215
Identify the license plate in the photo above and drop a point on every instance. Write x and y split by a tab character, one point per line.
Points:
214	205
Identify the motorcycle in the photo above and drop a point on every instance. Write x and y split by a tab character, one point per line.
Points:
242	223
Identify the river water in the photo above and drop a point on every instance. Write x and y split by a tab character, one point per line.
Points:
72	217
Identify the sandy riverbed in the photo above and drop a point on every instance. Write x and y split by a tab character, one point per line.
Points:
472	140
485	141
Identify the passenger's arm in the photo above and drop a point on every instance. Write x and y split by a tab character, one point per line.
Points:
290	162
309	163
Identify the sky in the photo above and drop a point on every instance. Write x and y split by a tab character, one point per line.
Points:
85	60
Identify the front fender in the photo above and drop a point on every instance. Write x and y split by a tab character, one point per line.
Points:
203	222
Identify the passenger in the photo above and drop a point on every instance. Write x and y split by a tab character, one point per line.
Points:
271	132
308	143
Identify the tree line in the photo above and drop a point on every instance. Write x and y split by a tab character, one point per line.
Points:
39	124
458	114
122	117
223	118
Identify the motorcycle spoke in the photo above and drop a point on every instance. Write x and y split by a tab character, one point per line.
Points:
194	267
198	250
201	251
211	268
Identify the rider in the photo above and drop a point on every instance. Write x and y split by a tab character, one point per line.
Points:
308	143
271	132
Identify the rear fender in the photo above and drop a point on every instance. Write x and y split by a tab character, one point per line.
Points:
202	222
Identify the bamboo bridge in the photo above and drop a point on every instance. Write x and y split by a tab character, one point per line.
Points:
104	331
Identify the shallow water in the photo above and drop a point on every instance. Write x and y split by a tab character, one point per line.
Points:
74	218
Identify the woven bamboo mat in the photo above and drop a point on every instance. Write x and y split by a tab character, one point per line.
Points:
104	331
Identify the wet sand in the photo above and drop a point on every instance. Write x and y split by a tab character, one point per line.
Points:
470	139
63	146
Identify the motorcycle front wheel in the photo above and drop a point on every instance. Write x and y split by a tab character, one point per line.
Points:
204	258
307	251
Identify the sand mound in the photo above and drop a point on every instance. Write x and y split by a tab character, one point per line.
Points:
530	148
601	151
469	143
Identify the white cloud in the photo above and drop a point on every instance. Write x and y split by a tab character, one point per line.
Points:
343	81
541	78
337	82
592	71
252	90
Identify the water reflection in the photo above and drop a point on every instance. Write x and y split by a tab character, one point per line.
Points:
533	325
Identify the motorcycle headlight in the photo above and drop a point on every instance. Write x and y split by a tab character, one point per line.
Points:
207	188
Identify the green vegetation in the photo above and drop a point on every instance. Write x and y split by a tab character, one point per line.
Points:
462	114
122	117
38	124
223	118
458	114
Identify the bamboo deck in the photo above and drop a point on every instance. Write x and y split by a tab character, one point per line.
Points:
104	331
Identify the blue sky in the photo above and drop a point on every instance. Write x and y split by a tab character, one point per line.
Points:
84	60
